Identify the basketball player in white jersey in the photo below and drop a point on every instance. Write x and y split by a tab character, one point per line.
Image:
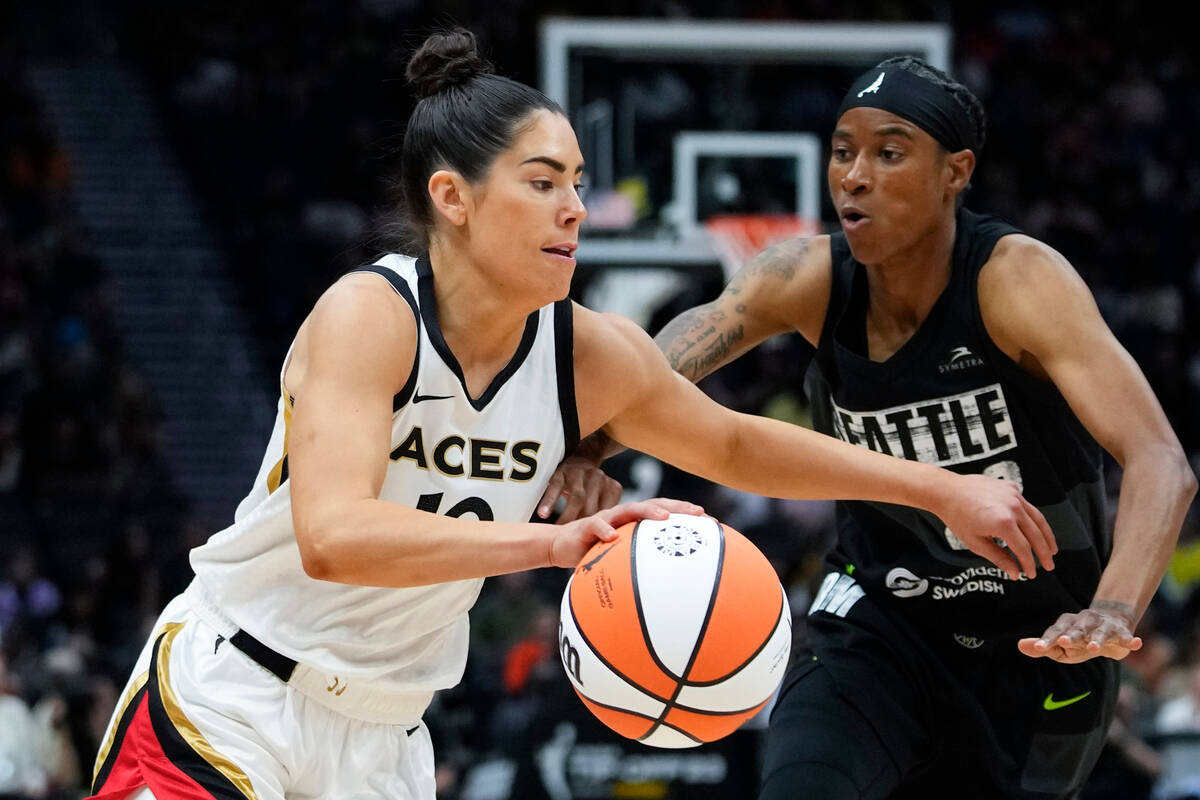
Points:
425	404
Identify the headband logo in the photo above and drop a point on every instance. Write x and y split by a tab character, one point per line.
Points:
874	87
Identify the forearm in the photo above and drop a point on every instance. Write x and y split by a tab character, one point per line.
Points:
775	458
378	543
1156	489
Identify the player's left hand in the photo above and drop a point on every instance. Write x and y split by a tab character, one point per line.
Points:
1104	630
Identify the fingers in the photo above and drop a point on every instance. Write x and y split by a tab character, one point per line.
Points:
1019	548
1081	636
604	531
610	493
997	555
1043	547
656	508
576	496
550	496
1040	521
1043	543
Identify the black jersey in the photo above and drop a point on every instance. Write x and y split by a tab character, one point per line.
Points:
950	397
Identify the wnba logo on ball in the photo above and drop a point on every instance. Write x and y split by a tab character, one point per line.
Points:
677	540
570	656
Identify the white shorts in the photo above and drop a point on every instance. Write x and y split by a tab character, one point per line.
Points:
199	720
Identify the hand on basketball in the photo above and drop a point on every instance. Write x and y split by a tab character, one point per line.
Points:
1105	630
585	487
575	538
983	511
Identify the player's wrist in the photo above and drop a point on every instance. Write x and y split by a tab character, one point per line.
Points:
935	490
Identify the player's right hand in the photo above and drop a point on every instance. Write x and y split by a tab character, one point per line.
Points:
573	540
983	512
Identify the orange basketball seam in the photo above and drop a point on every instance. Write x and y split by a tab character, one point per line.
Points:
752	656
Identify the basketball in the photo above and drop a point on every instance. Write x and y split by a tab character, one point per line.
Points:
675	633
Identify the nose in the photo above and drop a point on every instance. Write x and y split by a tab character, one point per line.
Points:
857	179
574	212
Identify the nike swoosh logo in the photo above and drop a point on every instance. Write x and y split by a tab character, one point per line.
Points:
420	398
1050	704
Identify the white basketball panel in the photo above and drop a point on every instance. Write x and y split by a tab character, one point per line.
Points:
669	738
676	561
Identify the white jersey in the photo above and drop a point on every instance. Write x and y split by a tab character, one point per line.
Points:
488	457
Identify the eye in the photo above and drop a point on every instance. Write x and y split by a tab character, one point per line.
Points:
543	185
889	154
581	189
841	153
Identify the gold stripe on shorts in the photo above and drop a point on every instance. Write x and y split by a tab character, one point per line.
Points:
190	733
110	736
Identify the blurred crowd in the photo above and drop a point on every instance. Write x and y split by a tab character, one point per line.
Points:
286	118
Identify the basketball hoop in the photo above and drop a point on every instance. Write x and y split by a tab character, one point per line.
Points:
739	237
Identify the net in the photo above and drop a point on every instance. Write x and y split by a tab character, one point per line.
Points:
737	238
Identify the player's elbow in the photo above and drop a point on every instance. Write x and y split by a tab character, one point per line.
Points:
1173	471
315	540
1190	484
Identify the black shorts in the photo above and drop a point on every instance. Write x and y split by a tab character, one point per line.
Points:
873	709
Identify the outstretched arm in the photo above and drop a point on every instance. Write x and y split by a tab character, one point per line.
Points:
338	444
782	289
661	413
1055	331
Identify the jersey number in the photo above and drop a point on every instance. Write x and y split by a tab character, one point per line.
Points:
472	505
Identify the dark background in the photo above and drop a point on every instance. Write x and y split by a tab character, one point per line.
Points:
284	119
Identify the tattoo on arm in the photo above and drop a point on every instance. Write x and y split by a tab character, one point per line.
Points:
695	343
682	334
712	354
779	260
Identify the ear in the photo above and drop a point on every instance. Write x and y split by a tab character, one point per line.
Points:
961	166
449	193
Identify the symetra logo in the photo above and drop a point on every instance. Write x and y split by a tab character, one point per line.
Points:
960	358
874	87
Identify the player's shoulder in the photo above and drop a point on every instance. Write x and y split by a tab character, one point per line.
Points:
1023	268
602	332
1019	258
363	297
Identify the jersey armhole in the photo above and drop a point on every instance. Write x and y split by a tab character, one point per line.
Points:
405	393
564	357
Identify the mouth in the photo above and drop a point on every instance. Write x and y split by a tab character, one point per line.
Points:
562	250
853	218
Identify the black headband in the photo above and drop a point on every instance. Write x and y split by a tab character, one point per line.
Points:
930	107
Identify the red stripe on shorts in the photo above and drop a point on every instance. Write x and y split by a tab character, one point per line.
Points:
140	761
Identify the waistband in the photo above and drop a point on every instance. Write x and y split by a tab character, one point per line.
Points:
352	697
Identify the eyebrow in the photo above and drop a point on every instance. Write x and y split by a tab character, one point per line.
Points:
886	130
552	163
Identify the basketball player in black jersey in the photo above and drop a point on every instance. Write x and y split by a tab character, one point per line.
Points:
950	338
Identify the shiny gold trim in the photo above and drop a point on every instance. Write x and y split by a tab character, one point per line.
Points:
190	733
109	737
275	476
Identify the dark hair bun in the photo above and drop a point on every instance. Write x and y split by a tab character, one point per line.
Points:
445	60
